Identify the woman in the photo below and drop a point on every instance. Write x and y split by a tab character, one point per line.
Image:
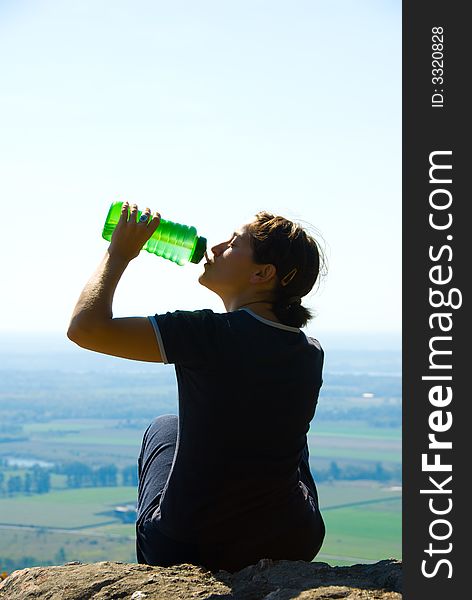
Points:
227	482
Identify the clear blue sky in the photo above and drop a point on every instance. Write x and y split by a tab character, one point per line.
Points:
207	111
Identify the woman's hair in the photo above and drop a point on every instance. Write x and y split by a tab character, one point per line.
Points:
298	260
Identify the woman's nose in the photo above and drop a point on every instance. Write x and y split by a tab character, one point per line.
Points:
218	249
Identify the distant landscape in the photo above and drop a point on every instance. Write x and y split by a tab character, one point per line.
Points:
71	428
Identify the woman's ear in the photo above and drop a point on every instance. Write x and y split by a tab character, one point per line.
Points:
264	273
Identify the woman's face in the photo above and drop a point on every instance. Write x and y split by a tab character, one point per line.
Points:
228	271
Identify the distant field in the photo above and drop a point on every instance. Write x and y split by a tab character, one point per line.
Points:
44	545
363	518
65	508
354	429
356	532
353	441
363	522
339	493
104	432
69	425
364	533
357	425
86	440
333	449
110	440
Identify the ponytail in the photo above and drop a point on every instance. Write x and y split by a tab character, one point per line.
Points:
292	313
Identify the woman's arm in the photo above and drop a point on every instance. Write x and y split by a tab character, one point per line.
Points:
92	325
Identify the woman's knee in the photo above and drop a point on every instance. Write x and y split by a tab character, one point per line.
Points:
164	421
164	426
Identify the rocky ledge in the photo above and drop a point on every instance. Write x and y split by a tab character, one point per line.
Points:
266	580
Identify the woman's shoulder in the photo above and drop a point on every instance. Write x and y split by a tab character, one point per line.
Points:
314	342
243	320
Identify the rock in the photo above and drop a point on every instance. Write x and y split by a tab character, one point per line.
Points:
266	580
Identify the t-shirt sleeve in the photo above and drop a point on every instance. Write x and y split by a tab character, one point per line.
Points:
188	336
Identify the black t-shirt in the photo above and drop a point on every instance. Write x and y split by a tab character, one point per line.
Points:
248	389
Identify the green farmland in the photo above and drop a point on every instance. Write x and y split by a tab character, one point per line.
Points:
363	524
363	518
87	439
69	509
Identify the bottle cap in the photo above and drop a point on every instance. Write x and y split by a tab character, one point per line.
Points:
198	250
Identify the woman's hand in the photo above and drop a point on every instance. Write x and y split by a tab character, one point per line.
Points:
92	324
130	236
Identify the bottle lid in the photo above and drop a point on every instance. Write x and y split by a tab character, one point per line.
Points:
198	250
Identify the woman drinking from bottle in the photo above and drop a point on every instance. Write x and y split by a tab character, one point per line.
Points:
226	482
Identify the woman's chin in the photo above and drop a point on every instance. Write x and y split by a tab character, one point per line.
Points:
202	280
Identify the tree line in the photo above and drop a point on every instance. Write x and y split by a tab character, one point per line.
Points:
37	480
352	472
82	475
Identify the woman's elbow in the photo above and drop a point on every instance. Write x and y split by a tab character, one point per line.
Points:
73	332
77	333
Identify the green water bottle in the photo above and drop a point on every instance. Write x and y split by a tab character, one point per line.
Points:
176	242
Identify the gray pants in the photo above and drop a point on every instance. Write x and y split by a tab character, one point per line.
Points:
154	465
